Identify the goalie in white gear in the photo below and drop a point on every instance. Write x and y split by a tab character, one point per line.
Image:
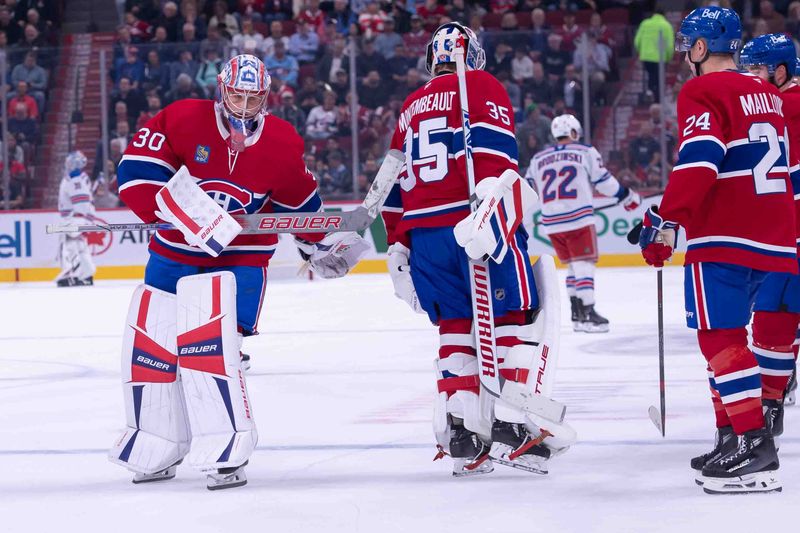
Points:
565	176
433	235
193	165
74	204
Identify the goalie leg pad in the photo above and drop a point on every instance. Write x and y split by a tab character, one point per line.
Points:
75	258
157	434
458	383
224	432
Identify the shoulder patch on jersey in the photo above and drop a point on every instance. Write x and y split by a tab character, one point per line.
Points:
202	153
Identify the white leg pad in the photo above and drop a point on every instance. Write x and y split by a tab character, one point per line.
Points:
75	258
157	434
224	433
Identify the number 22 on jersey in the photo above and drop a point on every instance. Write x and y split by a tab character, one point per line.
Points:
556	184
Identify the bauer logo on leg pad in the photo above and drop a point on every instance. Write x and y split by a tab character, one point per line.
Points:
201	348
150	362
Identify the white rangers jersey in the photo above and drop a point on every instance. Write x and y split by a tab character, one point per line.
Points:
75	196
564	175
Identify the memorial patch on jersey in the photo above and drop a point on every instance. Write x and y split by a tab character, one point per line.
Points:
201	348
202	153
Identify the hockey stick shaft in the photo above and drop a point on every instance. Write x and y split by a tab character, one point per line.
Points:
358	219
480	284
661	377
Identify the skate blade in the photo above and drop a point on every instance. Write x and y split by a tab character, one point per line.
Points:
791	399
164	475
752	483
460	468
231	485
576	326
595	329
500	453
527	467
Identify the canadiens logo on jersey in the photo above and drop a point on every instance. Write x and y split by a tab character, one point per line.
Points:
202	153
234	199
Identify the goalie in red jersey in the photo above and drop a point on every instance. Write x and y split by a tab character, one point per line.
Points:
194	164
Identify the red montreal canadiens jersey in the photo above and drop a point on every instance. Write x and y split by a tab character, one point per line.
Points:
791	111
268	176
730	188
432	189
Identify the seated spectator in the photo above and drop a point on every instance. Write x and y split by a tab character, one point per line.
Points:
430	12
119	113
275	35
321	121
21	97
103	198
333	61
209	69
539	86
460	12
223	18
164	49
337	179
775	21
34	75
309	96
16	186
215	38
248	33
570	32
343	16
644	150
141	31
304	43
369	59
600	31
372	20
184	88
513	90
4	45
8	25
15	151
510	34
189	40
184	65
282	65
328	34
133	98
538	32
277	10
121	135
290	112
32	41
341	86
534	124
313	15
521	66
153	107
417	39
401	16
170	20
554	58
669	129
572	90
121	44
189	14
413	82
156	74
373	93
21	125
132	68
500	60
388	40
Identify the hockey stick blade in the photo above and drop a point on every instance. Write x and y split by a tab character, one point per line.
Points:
359	219
655	418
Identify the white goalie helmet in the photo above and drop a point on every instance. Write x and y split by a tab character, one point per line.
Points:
444	42
75	163
566	126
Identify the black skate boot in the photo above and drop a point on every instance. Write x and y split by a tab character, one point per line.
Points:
575	305
724	443
470	454
84	282
67	282
513	445
773	417
751	467
591	321
790	396
227	478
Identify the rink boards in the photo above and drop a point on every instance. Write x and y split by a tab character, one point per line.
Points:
27	253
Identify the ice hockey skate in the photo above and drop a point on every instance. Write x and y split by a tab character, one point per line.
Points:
470	454
227	478
751	467
724	442
162	475
515	446
591	321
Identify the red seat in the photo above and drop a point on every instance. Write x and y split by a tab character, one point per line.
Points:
615	15
345	143
524	19
583	16
262	28
306	71
491	20
554	18
288	27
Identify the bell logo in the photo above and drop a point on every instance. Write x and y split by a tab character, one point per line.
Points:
18	243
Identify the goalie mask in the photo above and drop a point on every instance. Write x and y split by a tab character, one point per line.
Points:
443	44
243	89
75	163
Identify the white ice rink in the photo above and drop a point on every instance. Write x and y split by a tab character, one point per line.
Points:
342	386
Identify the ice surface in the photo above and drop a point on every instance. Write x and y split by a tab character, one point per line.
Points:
342	384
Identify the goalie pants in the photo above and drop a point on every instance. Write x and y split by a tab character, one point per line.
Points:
251	282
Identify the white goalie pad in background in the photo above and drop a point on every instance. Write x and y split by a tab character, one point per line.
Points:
531	402
157	433
224	433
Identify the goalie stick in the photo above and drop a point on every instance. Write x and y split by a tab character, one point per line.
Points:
358	219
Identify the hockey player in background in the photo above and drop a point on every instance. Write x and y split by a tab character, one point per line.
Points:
730	191
75	202
777	305
430	268
193	165
565	176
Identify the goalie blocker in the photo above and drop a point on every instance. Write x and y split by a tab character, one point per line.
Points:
185	393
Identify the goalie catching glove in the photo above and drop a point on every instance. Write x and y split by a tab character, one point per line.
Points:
201	220
506	201
335	255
